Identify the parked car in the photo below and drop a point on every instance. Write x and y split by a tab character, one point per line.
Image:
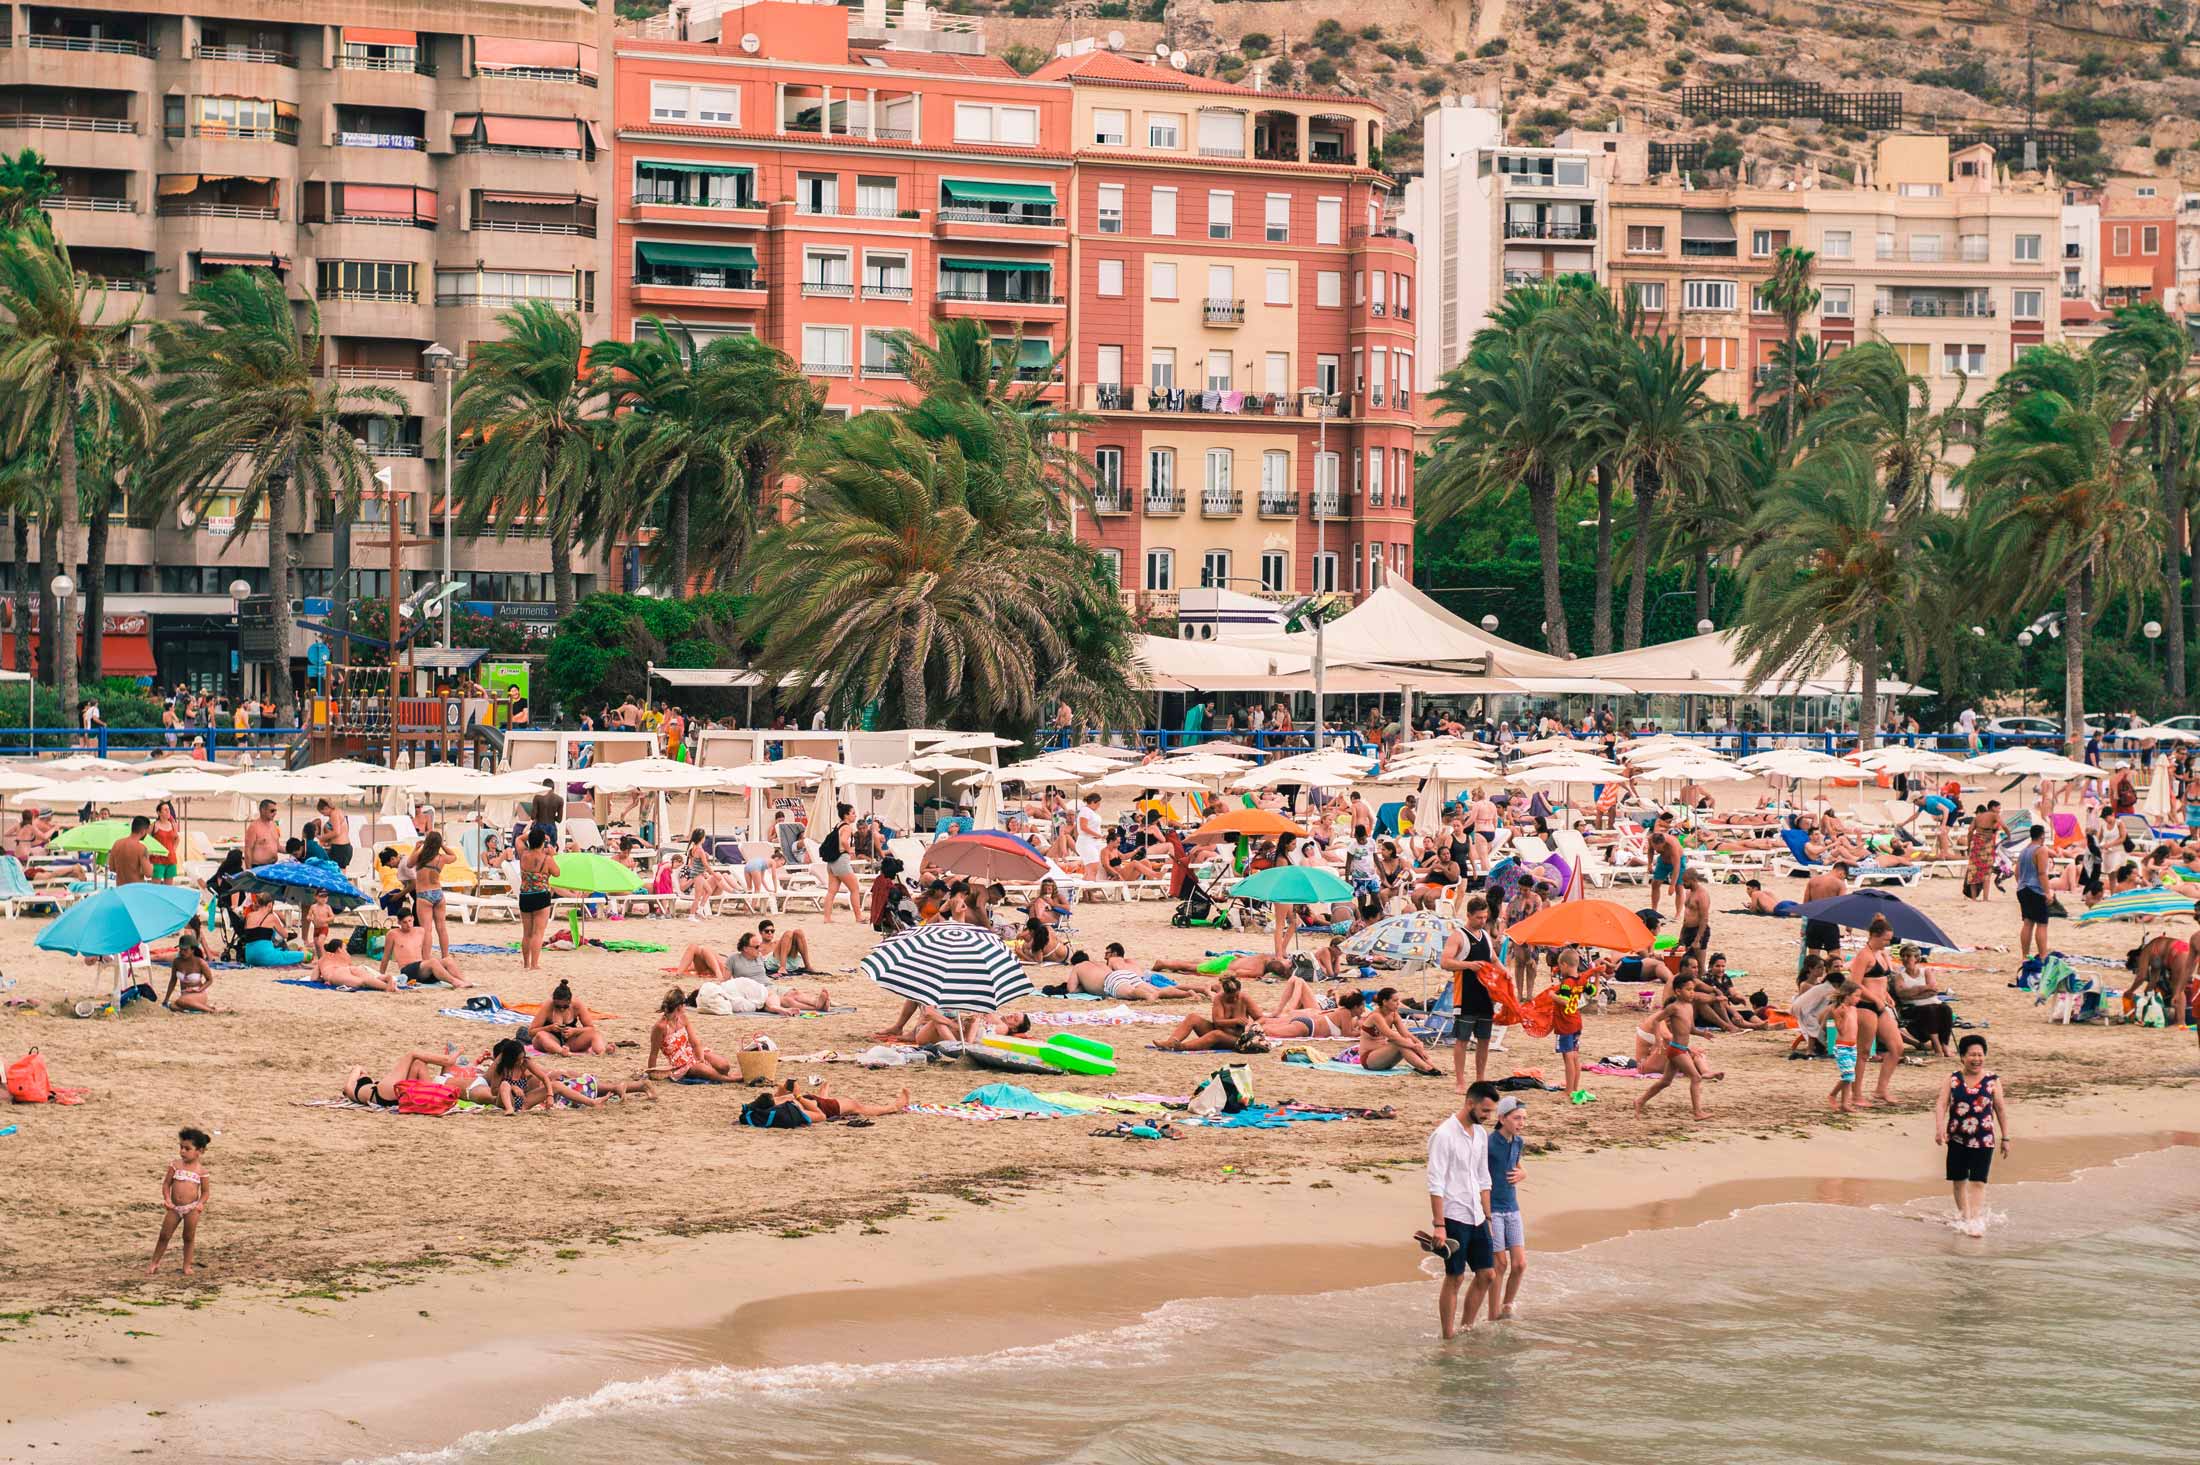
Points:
2040	731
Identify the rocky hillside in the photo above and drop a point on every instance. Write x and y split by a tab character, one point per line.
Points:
2124	77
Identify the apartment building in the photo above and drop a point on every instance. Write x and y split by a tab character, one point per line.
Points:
1939	253
2139	221
1488	217
413	169
1242	329
821	178
2188	255
2081	256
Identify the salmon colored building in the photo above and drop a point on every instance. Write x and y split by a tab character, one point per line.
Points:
782	170
1241	327
2138	241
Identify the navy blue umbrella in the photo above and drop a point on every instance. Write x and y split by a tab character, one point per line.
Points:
299	880
1858	908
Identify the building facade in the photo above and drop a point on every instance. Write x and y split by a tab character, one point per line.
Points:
410	169
1242	329
2139	219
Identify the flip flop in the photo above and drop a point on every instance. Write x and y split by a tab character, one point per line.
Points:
1434	1247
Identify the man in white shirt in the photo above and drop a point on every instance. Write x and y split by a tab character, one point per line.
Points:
1967	722
1459	1208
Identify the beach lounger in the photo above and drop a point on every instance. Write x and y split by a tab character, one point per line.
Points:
471	908
801	889
16	891
583	832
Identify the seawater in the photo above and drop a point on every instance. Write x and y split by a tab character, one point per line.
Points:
1786	1333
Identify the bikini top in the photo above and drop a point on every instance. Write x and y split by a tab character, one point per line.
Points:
189	1177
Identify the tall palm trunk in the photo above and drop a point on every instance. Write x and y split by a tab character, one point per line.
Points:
1867	687
2075	598
93	659
1638	553
561	573
1794	330
278	591
678	507
1543	494
1703	583
1600	633
913	708
2192	609
339	553
49	565
2173	555
64	620
22	591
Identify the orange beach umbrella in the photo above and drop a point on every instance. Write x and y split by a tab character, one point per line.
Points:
1253	823
1584	923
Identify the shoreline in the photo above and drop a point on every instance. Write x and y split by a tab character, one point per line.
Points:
424	1361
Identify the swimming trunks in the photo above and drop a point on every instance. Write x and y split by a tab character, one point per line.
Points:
1213	966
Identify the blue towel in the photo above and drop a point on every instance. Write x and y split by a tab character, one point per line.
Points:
318	986
476	948
502	1017
1015	1096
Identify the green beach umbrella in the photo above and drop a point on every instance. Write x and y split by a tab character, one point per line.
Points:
1293	885
99	836
594	875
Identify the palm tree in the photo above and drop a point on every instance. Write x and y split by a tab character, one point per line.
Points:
701	434
531	406
970	386
25	185
1510	428
1869	395
1791	296
1600	328
24	492
238	391
888	587
1794	390
2059	498
1834	571
112	458
62	364
2156	350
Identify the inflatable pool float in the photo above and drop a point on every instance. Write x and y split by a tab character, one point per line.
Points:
1074	1054
1002	1061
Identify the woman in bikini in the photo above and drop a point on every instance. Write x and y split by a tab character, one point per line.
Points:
1385	1043
465	1079
1047	905
428	862
1041	943
189	977
684	1057
564	1026
697	880
1876	1017
264	932
1304	1013
821	1105
519	1080
1229	1015
537	864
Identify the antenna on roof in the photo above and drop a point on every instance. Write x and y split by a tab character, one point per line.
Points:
1178	60
1161	48
1115	40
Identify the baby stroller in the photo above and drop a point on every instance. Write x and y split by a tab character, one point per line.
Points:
1200	907
893	903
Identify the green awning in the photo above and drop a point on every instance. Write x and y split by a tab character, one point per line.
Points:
974	191
712	170
700	256
1012	266
1034	353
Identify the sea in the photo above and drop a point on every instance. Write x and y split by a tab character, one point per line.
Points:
1780	1333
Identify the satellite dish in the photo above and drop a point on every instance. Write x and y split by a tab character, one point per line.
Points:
1177	59
1115	40
752	43
1161	48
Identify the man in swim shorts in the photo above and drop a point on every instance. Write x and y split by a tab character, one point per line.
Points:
1695	913
1823	938
1245	966
1666	861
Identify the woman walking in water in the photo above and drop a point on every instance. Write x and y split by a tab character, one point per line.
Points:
1970	1120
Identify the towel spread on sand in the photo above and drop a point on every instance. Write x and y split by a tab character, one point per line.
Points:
502	1017
976	1113
1262	1117
1107	1017
332	987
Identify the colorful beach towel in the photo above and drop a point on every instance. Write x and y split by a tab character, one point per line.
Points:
1107	1017
975	1113
501	1017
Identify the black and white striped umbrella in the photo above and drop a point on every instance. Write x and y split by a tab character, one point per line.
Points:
953	967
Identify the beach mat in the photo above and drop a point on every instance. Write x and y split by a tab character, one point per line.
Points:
501	1017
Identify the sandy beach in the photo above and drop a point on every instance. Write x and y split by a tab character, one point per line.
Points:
378	1282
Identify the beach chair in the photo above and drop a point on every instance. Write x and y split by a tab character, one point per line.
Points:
1386	818
583	831
16	891
388	829
800	888
1797	862
1587	863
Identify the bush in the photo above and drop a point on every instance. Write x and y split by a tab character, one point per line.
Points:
598	651
2093	63
1393	50
1024	59
1432	85
1279	72
1321	71
121	701
1371	32
1489	48
2163	157
1255	43
1547	117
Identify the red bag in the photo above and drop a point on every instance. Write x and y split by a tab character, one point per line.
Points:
415	1096
28	1082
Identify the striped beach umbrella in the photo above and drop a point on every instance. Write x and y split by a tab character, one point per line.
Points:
953	967
2136	903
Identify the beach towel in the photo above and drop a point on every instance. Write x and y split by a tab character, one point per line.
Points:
975	1113
531	1008
477	948
1087	1104
1261	1117
501	1017
1016	1097
463	1106
1335	1065
327	986
1108	1017
1625	1068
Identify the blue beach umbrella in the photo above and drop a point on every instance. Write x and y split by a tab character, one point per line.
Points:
1857	909
298	880
119	918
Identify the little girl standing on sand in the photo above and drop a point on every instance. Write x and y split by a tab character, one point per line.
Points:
183	1190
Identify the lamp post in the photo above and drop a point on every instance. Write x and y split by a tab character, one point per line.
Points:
1321	525
2024	693
61	587
448	364
2152	630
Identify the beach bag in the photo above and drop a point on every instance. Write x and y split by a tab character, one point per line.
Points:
363	942
1227	1090
414	1096
28	1082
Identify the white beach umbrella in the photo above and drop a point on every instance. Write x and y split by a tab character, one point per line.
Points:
2156	734
661	775
1106	750
2033	763
1557	774
1703	771
964	742
1150	776
1215	749
1800	763
16	777
1898	759
867	775
84	765
306	783
937	763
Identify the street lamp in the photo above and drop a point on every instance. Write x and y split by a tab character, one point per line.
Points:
447	363
1704	627
2024	693
2152	630
1489	623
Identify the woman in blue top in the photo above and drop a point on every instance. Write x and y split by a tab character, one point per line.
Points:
1507	1240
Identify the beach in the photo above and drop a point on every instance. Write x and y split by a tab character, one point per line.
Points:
370	1283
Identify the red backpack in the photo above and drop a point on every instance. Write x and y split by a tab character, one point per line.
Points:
27	1080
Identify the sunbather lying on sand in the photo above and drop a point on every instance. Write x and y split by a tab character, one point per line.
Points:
821	1105
461	1076
338	970
1116	977
1304	1013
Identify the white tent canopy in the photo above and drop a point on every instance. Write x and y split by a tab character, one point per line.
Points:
1399	622
1709	665
705	676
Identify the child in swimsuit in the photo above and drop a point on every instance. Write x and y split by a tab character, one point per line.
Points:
184	1186
1841	1043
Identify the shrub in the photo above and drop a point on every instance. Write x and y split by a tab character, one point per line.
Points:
2163	157
1489	48
2093	63
1371	32
1321	71
1255	43
1431	85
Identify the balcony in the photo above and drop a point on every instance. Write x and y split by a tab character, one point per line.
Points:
1378	309
258	54
56	122
1375	397
382	297
1164	501
887	290
1278	505
187	209
674	277
1114	399
1931	309
347	61
1216	504
285	131
893	371
340	371
1367	236
100	45
89	203
569	75
1709	249
1545	229
674	199
1109	498
829	289
1224	312
1332	504
1223	152
1013	218
1231	403
1921	254
827	368
2073	251
396	141
964	296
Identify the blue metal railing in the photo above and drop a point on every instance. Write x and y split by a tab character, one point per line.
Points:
16	742
1273	744
1727	741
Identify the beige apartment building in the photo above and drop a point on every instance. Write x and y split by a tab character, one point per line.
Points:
412	168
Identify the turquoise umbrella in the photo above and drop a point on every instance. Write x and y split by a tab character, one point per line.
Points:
1293	885
2135	903
118	919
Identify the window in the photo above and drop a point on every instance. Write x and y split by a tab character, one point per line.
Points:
2145	190
886	276
983	122
1164	280
825	348
2028	249
1404	295
1221	462
1359	287
1916	356
1646	239
1214	569
1325	480
1764	242
1329	221
1219	373
1707	294
1111	277
1113	559
1275	372
1161	569
2150	240
1164	211
878	198
1376	282
1325	375
1222	134
1277	285
1275	571
1760	302
1379	358
1925	247
973	122
365	279
1375	477
1325	573
1160	476
1712	353
1165	130
1018	126
1162	369
817	193
1837	302
1107	473
1111	129
1222	282
1919	190
1329	288
825	272
2120	241
1962	360
882	355
1649	295
2027	304
1374	566
669	102
1359	371
1111	208
1279	218
1837	243
1221	213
